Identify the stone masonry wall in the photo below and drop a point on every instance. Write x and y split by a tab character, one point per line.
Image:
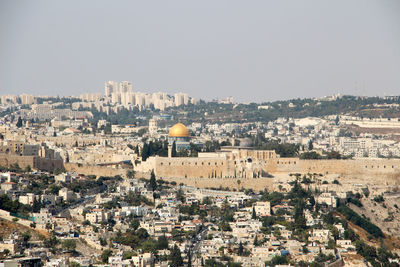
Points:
94	170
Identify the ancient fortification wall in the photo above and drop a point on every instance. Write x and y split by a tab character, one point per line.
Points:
94	170
23	161
190	167
48	164
219	171
34	162
344	167
226	168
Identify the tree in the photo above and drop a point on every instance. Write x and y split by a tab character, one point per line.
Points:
130	174
334	232
173	151
255	242
48	226
310	155
333	155
142	233
189	264
162	242
69	244
145	152
135	224
310	145
277	260
350	234
51	242
299	218
180	195
175	257
26	236
103	241
337	120
240	249
253	214
312	201
36	205
28	168
105	255
19	122
153	182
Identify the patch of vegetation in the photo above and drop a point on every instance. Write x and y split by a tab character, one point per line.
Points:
360	221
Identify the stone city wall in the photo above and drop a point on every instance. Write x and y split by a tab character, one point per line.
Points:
216	172
185	167
219	167
47	164
34	162
344	167
23	161
94	170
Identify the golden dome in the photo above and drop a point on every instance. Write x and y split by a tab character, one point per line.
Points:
178	130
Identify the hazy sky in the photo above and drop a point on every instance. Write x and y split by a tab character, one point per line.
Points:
251	50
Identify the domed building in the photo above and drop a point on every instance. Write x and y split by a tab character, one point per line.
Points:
178	131
180	135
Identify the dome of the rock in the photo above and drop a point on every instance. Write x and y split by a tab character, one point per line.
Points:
178	130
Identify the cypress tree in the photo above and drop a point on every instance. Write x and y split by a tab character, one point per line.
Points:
255	243
137	149
145	152
240	249
254	215
19	122
174	153
153	183
189	264
175	257
310	145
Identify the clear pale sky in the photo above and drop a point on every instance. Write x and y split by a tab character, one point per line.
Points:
251	50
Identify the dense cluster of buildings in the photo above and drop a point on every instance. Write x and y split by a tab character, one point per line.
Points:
155	194
125	96
92	218
331	134
117	96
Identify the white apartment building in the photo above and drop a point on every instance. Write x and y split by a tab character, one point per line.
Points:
110	87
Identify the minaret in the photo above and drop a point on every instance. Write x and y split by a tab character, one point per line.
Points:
169	150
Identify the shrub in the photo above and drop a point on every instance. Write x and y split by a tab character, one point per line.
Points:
379	199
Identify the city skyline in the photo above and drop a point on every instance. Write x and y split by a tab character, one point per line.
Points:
261	52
